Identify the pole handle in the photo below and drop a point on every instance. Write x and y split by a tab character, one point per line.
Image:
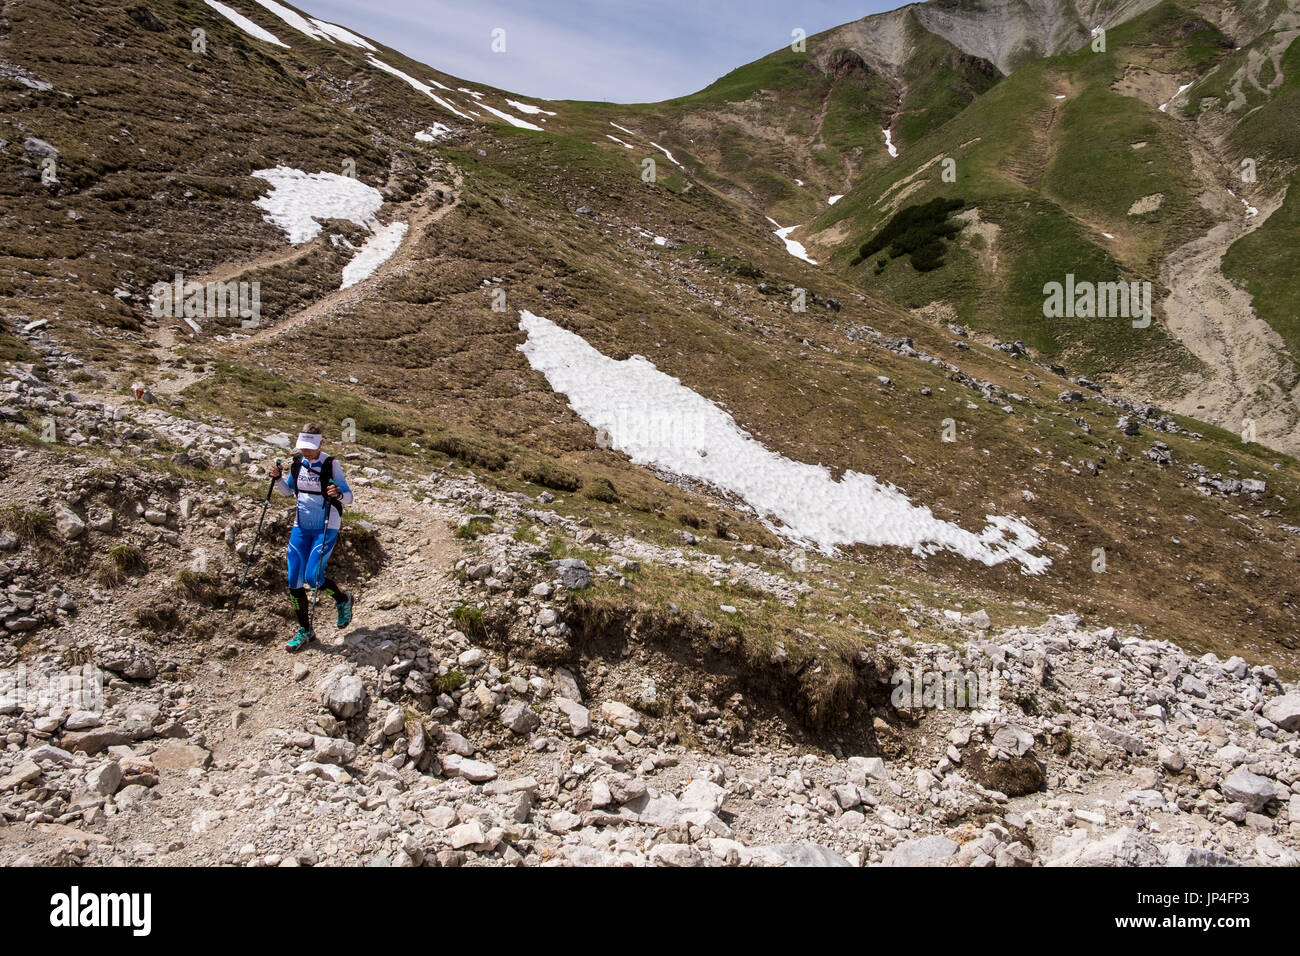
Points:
273	481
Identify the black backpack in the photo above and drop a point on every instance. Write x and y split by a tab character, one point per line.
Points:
326	479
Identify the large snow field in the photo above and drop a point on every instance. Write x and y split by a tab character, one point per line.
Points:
658	422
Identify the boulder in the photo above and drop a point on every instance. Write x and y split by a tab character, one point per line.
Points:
805	854
572	573
105	779
475	771
95	740
1014	740
654	808
676	855
343	692
1242	786
467	835
48	753
703	795
25	772
1125	847
83	720
1284	711
920	851
620	715
579	717
131	664
519	718
180	755
1182	855
68	523
566	685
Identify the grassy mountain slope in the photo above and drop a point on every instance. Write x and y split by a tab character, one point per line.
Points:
814	115
1068	167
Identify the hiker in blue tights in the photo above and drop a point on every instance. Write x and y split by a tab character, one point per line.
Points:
317	481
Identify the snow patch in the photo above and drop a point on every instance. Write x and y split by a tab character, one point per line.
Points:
795	249
528	109
1250	210
347	36
889	143
619	141
245	24
621	128
834	199
660	423
298	199
377	250
435	132
1181	91
295	20
416	84
512	120
666	153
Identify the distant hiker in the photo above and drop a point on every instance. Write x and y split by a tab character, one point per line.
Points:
322	491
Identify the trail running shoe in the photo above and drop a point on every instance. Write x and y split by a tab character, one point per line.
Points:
345	612
300	640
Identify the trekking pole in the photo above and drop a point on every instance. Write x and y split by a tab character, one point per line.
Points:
252	552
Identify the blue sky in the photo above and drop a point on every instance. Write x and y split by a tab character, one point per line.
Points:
620	50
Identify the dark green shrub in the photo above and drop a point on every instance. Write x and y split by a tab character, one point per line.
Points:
918	232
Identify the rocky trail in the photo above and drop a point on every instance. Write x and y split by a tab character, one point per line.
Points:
420	214
470	716
436	201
